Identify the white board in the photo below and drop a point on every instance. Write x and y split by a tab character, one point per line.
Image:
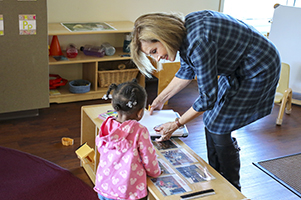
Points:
285	33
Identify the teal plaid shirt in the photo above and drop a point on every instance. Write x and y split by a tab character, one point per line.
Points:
248	65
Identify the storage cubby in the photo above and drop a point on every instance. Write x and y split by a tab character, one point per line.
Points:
90	64
116	72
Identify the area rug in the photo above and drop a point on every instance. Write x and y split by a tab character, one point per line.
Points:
27	177
286	170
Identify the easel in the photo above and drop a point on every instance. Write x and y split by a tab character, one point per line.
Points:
285	34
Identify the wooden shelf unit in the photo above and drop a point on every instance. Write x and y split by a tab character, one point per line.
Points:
89	63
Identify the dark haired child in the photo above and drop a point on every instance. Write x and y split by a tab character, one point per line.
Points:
127	155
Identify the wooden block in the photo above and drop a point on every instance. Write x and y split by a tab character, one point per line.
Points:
86	154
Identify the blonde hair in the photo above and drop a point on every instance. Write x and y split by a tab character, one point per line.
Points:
166	28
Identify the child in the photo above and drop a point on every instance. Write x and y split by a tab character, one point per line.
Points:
127	155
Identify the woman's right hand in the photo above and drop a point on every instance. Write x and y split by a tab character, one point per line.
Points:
173	88
157	104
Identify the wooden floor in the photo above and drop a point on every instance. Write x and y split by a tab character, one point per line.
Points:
259	141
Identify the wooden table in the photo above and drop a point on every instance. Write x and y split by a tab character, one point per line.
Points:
90	124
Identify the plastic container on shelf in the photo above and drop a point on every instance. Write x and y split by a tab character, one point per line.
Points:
126	43
90	50
71	51
109	49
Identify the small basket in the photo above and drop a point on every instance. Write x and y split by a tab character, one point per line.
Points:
79	86
106	78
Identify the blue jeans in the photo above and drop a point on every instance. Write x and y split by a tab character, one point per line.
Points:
105	198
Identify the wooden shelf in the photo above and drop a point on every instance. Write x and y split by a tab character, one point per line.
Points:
67	96
82	58
89	63
120	26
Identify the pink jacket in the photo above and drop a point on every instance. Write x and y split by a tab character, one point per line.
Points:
127	157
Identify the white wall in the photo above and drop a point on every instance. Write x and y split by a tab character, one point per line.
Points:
117	10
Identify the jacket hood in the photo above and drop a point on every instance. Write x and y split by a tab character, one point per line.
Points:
113	135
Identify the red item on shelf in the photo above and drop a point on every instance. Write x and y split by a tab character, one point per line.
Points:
71	51
56	81
55	48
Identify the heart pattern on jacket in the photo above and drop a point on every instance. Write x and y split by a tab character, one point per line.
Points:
133	180
123	173
115	180
122	189
140	186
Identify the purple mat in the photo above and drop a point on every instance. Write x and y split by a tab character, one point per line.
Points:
27	177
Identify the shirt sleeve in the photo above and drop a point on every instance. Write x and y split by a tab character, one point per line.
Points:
148	154
185	71
202	63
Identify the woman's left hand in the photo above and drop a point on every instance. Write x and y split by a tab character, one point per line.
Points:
166	130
